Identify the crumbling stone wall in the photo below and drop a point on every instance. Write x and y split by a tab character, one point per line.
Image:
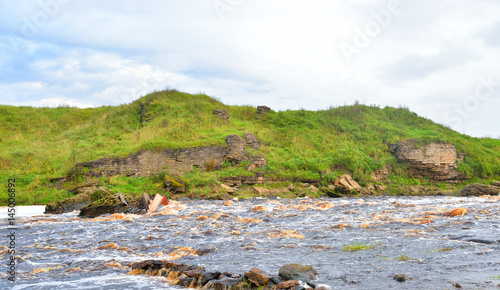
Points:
435	160
176	161
147	163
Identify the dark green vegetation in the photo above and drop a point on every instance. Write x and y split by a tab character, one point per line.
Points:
41	143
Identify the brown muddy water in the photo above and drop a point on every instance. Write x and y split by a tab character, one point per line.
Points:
405	235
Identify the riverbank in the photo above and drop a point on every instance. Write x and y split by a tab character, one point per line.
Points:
130	148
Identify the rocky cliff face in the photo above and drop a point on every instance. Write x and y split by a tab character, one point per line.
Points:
176	161
435	160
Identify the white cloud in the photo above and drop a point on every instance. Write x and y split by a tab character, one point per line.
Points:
285	54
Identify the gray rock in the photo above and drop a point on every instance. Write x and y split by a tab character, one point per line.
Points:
477	189
186	282
223	114
77	202
236	149
207	277
262	110
252	141
297	272
226	283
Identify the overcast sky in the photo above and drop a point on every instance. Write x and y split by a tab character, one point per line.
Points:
439	58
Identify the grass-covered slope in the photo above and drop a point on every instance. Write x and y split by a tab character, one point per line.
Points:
41	143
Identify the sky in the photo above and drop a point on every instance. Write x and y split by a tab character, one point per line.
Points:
438	58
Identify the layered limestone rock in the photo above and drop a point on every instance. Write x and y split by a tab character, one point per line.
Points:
437	161
77	202
477	189
236	146
112	203
176	161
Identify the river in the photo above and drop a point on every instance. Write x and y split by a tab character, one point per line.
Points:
403	235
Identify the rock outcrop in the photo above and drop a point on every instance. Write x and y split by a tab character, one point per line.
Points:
298	272
176	161
222	114
84	187
258	277
477	189
437	161
266	191
174	184
260	178
77	202
380	175
112	203
252	141
262	111
236	152
345	184
256	162
185	275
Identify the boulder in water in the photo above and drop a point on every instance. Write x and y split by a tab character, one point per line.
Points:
77	202
111	203
258	277
297	272
400	277
288	284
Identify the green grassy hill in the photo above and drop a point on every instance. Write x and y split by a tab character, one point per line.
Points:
41	143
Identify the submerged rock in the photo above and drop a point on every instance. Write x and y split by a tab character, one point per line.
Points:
400	277
186	282
111	203
456	212
297	272
77	202
477	189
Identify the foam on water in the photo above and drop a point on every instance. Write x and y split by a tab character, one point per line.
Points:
96	253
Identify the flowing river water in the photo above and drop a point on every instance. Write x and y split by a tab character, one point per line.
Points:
404	235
